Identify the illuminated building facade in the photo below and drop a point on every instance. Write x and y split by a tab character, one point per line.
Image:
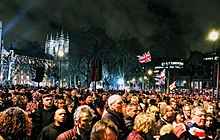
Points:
55	44
19	69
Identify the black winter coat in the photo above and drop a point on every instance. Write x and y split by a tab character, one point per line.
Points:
40	119
129	123
117	119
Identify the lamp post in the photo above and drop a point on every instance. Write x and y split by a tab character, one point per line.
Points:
145	79
133	82
60	54
213	36
149	72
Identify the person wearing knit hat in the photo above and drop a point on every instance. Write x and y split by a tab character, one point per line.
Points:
114	113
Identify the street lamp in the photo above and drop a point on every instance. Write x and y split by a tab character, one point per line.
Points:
60	54
133	82
150	72
213	36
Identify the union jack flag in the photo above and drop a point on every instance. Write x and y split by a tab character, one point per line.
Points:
162	81
146	57
161	77
173	85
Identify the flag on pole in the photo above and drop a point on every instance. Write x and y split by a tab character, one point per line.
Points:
173	85
146	57
162	81
162	74
161	77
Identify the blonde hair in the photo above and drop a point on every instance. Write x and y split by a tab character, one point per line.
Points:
164	109
134	99
166	129
209	104
144	122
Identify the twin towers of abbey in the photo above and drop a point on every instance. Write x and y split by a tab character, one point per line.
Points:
56	43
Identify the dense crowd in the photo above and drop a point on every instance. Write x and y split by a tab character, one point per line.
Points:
53	113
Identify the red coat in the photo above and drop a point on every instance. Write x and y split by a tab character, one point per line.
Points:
134	136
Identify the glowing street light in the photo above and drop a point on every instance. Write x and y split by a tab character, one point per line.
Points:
150	72
213	36
60	54
133	80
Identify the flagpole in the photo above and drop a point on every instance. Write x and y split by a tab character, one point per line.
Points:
168	80
144	75
165	82
146	57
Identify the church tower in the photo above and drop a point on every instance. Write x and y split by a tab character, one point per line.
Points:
54	44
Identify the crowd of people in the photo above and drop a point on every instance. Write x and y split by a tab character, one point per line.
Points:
53	113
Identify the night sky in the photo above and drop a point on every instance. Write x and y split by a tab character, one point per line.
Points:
32	20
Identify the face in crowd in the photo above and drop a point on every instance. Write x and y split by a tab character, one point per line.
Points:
187	111
73	92
210	109
209	121
88	100
60	103
169	114
104	130
15	100
179	118
154	111
199	116
117	105
85	122
110	135
104	98
83	119
60	116
134	100
132	111
173	105
48	101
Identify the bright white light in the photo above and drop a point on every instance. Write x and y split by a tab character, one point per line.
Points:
140	79
128	90
133	80
150	72
121	81
60	53
213	35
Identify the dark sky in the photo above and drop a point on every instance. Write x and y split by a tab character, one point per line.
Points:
32	20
